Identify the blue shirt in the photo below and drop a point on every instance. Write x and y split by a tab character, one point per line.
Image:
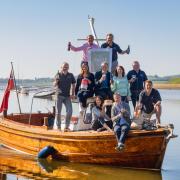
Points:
138	84
149	101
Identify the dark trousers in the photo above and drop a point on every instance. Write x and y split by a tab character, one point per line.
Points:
134	98
121	132
124	99
98	123
105	93
83	96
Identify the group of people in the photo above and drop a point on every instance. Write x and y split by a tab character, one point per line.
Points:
106	86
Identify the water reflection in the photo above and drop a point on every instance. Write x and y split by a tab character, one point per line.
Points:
13	163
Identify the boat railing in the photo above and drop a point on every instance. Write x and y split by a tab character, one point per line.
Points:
30	114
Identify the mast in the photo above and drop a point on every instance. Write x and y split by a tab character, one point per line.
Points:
91	22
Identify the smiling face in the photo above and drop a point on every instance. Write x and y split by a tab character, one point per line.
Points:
90	39
84	67
136	66
119	70
98	101
109	38
117	98
65	67
148	86
104	66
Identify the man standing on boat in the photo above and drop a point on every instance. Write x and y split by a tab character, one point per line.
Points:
85	47
150	101
136	78
64	82
115	49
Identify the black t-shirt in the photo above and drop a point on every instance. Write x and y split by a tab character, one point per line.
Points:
138	84
149	101
115	49
64	84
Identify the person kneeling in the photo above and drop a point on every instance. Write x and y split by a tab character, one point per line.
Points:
99	116
150	102
120	114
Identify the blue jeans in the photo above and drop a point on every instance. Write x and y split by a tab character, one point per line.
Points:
121	132
68	105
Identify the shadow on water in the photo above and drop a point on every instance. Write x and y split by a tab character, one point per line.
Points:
21	166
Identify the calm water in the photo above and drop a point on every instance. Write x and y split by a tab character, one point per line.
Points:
17	166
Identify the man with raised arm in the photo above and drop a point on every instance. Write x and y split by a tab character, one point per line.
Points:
115	50
64	82
85	47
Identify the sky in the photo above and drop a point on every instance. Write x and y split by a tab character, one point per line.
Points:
34	34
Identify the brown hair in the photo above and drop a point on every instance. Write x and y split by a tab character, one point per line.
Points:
110	34
148	82
123	71
82	72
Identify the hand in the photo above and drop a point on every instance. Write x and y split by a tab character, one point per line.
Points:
111	81
69	46
128	98
103	77
72	96
89	81
132	80
128	50
102	113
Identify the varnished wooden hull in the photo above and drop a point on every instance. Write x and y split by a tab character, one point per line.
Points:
144	149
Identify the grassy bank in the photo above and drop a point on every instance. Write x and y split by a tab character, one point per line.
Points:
166	86
173	83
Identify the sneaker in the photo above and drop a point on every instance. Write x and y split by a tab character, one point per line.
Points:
120	147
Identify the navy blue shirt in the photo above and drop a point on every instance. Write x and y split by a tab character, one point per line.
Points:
138	84
149	101
64	83
115	49
104	84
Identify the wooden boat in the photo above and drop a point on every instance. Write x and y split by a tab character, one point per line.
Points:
144	149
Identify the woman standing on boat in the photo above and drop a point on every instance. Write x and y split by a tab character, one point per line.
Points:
85	47
99	116
120	84
85	86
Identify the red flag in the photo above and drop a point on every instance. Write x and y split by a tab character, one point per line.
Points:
10	86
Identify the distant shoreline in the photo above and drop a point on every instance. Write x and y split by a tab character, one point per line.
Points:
166	86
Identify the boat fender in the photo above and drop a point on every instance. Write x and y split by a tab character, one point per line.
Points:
47	151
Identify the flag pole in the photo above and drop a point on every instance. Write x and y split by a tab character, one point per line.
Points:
16	87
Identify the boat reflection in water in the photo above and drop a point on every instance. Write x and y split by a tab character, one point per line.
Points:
22	166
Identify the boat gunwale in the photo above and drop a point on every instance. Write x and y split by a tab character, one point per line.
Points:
43	131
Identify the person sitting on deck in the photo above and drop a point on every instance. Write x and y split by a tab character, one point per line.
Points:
85	47
102	84
150	101
84	87
99	116
120	115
